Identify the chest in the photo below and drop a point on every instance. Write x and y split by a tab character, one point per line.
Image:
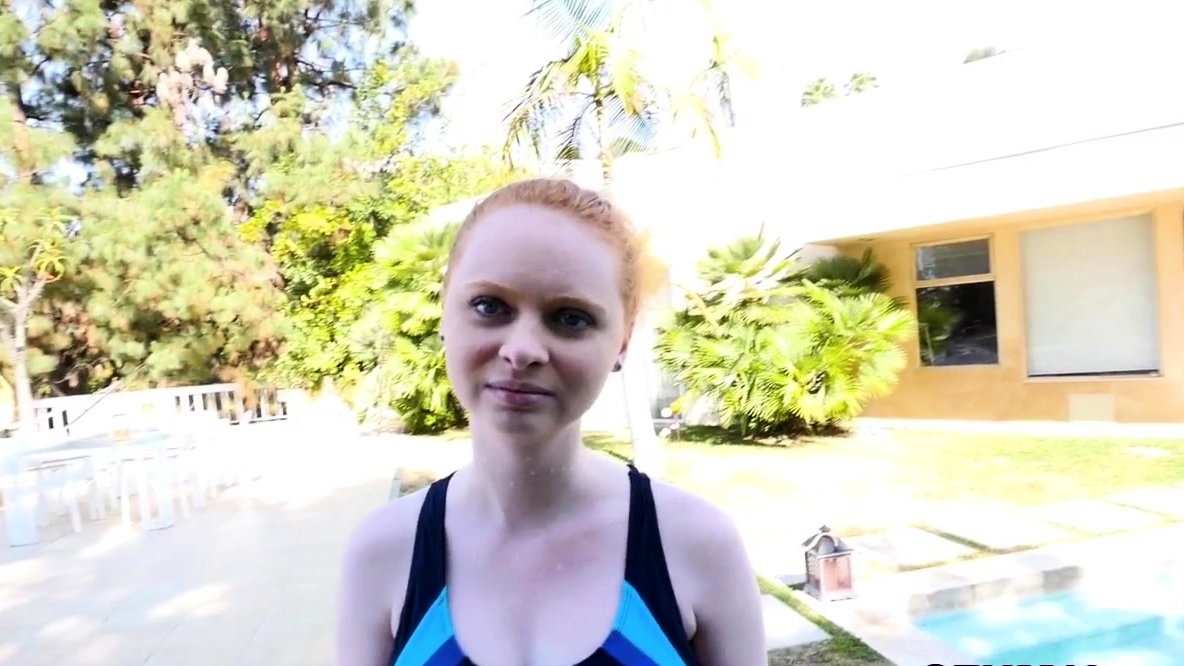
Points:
543	600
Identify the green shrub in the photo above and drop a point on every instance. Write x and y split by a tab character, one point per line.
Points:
401	333
779	349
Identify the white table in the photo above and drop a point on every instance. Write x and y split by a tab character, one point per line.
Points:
20	518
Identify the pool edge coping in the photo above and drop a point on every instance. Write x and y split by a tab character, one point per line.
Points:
884	611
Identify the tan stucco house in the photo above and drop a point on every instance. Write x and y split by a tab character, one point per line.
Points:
1030	207
1033	218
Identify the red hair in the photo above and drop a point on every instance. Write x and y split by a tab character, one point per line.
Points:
641	273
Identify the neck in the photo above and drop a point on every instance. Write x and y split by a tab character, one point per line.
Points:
525	484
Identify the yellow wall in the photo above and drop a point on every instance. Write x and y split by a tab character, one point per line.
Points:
1003	391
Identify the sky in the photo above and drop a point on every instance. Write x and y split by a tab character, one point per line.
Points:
791	43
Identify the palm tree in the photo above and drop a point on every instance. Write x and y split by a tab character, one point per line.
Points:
849	276
723	346
777	352
594	95
399	337
597	102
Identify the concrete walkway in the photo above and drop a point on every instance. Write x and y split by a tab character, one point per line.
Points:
246	581
965	533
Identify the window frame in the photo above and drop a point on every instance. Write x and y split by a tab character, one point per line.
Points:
975	278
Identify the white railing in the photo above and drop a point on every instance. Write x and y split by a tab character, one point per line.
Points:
229	401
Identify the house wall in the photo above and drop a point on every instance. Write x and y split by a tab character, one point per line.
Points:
1004	391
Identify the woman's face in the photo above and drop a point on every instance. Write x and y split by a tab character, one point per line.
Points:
533	320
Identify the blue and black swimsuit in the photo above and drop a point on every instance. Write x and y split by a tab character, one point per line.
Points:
648	629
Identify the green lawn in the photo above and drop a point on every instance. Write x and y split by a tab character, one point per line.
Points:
938	466
842	649
908	477
868	483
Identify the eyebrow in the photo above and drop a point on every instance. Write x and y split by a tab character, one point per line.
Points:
566	297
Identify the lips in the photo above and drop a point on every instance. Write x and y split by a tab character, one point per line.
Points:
519	395
519	387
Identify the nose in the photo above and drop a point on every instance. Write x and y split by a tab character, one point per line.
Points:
524	345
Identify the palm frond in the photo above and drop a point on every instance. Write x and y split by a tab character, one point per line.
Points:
567	20
543	97
639	129
774	350
571	137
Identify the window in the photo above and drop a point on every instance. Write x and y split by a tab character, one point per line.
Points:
955	289
1091	299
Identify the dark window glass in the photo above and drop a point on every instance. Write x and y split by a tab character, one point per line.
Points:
957	324
953	260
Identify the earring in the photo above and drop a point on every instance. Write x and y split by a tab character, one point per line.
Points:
617	366
441	337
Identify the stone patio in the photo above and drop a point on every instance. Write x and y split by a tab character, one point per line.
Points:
908	547
784	627
249	580
1095	516
1168	501
1004	530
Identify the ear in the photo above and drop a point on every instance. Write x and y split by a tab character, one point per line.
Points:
621	357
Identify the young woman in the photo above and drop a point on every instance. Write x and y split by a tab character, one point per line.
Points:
540	552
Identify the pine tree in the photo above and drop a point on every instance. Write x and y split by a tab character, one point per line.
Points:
134	142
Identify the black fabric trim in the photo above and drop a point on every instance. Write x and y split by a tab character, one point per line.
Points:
429	564
645	565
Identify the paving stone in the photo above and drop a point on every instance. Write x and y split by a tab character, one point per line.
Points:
907	547
785	627
791	579
1004	530
1095	516
777	555
1166	500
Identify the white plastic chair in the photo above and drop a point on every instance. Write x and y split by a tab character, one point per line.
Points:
68	479
166	471
217	455
34	481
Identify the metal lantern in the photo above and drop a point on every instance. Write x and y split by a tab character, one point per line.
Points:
828	567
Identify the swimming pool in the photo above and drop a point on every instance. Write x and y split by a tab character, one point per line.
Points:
1111	625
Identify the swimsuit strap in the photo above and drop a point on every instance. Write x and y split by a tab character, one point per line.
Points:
645	564
429	563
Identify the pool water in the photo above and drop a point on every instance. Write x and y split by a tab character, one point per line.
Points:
1139	625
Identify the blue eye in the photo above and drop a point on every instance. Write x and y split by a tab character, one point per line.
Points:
487	306
576	319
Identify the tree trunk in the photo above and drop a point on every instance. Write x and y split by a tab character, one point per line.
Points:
22	385
19	309
635	372
606	155
635	380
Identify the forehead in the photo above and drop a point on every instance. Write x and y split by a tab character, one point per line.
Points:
536	248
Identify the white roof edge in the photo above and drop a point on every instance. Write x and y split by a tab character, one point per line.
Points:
1112	168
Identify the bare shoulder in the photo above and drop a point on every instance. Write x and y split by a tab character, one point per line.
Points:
386	536
374	570
711	572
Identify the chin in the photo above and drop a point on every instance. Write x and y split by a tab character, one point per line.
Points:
529	425
525	427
